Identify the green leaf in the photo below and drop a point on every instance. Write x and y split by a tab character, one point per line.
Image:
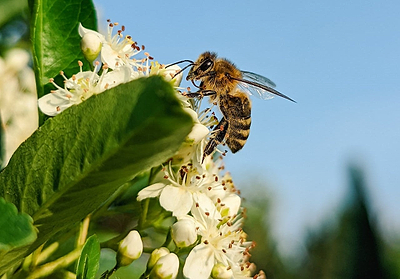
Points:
55	38
16	229
2	144
76	160
88	263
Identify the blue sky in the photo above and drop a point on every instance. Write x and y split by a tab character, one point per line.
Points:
339	60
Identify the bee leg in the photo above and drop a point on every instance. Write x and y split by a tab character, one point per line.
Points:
201	93
220	133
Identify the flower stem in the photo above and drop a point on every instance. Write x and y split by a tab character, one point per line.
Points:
143	216
49	268
83	231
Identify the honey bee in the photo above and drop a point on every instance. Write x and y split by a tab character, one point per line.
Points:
229	88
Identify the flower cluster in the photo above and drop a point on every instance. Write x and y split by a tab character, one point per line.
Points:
206	205
115	62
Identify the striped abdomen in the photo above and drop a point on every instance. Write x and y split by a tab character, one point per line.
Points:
238	132
236	108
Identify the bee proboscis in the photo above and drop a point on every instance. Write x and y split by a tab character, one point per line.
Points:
229	88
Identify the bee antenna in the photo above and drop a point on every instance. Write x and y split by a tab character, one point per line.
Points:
190	61
184	68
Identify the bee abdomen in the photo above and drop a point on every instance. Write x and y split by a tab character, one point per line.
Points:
238	132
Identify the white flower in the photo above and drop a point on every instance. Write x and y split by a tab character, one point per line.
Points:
130	249
80	87
223	242
180	190
170	74
116	49
166	267
183	232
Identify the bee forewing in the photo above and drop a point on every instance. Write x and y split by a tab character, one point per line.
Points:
258	78
254	90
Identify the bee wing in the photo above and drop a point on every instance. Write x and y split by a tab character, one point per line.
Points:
258	86
258	78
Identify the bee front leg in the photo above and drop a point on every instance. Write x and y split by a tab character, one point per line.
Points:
201	93
220	133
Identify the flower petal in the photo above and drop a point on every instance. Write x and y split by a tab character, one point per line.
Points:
120	75
203	204
53	103
199	263
199	132
110	57
170	72
151	191
176	199
232	204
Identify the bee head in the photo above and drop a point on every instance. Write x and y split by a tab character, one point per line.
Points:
203	66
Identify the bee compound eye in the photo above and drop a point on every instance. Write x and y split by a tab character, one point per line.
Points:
207	64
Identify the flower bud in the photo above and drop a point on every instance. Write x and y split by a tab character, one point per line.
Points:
166	267
129	249
261	275
220	271
91	46
184	232
155	256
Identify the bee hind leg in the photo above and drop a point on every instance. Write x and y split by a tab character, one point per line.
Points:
220	133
